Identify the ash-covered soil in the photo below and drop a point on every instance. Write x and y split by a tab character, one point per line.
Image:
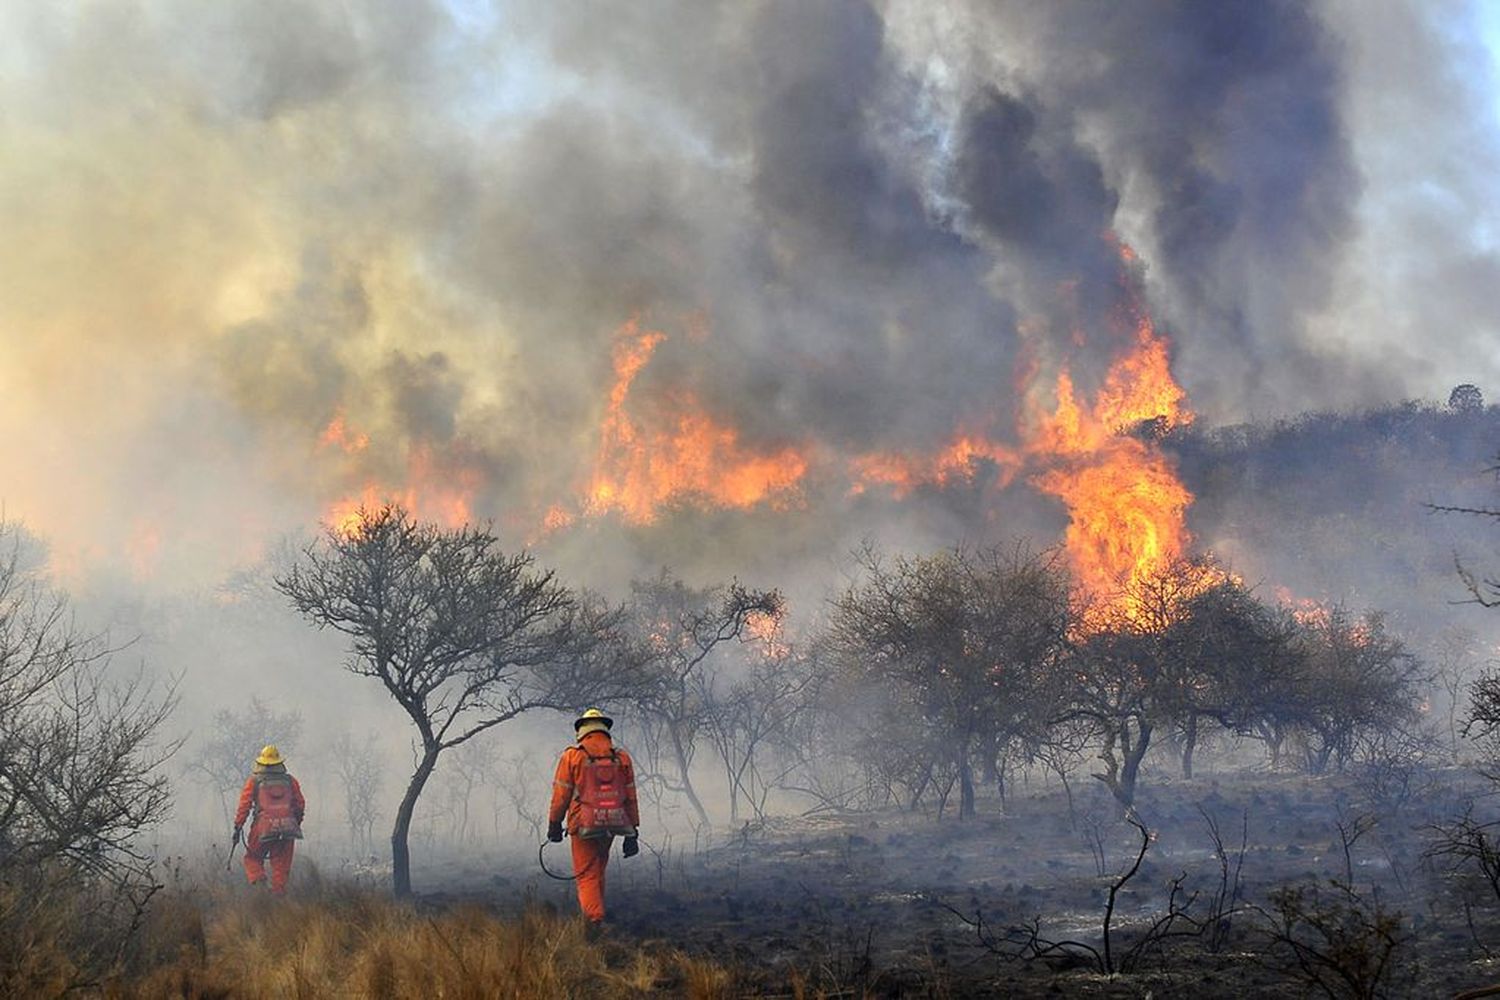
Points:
887	903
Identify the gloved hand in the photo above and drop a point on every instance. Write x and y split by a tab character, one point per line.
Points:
235	837
554	832
632	847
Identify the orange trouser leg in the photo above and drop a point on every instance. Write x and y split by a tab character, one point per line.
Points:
280	856
589	859
255	868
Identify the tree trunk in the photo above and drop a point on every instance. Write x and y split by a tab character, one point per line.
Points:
921	788
463	814
400	853
943	793
1068	791
965	788
734	797
1317	759
1001	766
680	752
1189	744
1130	767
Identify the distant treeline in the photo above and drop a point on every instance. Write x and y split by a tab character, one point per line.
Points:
1340	504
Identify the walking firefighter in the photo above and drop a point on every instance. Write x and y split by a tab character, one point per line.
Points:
272	801
595	791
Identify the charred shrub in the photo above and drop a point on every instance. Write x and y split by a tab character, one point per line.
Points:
1336	942
1468	846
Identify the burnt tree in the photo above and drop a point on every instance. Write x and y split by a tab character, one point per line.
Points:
965	646
461	634
1230	657
1178	648
1358	680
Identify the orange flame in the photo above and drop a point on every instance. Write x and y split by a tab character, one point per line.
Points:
338	435
768	634
435	488
557	518
684	455
1126	506
446	505
903	473
1323	616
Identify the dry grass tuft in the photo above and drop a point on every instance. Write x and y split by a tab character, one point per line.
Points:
359	944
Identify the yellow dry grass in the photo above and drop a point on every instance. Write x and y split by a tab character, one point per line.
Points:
348	944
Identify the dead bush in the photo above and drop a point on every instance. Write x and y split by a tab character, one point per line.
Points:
1335	941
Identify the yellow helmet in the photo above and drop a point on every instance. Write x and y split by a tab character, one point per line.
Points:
592	721
269	755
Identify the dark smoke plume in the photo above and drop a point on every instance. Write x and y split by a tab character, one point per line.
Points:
231	226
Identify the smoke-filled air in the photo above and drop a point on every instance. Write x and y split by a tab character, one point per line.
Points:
933	497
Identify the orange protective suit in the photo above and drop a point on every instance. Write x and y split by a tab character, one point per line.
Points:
590	854
259	850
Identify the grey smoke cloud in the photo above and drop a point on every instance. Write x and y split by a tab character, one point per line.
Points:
229	225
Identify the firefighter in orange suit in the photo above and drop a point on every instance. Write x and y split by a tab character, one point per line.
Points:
277	804
595	790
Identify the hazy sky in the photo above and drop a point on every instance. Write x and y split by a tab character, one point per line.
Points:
230	225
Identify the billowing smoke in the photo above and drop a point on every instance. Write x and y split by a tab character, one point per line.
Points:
261	256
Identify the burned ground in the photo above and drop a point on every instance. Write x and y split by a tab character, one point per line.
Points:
886	903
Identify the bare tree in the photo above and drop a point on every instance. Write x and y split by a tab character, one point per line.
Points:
969	640
469	767
812	742
1482	722
224	756
743	716
517	777
1456	664
81	770
361	774
80	765
462	635
679	628
1225	651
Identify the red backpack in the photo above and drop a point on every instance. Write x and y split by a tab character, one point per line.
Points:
275	815
601	797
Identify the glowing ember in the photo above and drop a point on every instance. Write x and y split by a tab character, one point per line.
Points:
681	455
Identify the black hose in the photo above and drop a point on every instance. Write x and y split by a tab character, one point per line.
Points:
548	871
542	861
